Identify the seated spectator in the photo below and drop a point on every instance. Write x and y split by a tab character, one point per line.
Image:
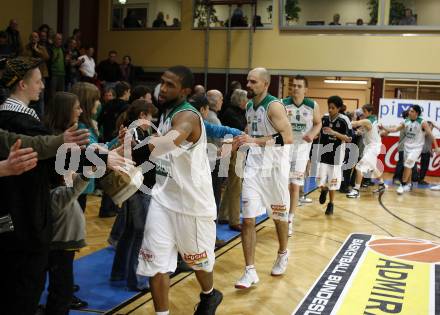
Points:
14	39
141	92
257	21
176	23
238	19
131	21
87	66
160	20
336	19
109	72
359	22
408	19
108	95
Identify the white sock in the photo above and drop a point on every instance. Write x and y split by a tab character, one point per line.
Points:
163	313
357	186
250	267
208	292
291	217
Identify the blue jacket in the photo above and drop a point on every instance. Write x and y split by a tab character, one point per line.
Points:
218	131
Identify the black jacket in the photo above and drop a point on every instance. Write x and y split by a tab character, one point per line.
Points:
234	117
26	197
108	117
109	72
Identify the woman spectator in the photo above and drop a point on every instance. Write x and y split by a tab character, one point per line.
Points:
129	71
89	96
68	233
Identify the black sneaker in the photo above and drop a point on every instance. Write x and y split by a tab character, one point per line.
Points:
208	303
77	303
329	210
323	196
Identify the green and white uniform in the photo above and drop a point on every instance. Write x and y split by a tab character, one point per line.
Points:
414	141
182	210
301	119
372	146
265	184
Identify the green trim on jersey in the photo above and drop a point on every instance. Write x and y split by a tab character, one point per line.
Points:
306	102
372	118
419	120
180	108
265	102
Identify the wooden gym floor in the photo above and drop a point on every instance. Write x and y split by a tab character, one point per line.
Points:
316	239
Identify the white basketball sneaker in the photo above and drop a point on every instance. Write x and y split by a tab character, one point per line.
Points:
249	278
280	265
407	188
399	190
435	188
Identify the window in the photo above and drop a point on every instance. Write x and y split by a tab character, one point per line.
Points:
412	89
410	13
144	14
329	14
241	15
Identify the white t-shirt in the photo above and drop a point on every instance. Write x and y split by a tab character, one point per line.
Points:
88	66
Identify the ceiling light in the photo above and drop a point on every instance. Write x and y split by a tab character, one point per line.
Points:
122	1
346	81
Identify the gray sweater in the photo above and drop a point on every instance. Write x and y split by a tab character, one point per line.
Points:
69	224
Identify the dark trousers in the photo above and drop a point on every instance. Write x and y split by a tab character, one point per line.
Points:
82	200
60	282
217	185
127	251
22	281
424	165
107	205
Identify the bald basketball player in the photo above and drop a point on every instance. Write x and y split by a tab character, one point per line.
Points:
266	174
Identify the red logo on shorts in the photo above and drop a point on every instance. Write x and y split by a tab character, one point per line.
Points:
195	259
146	255
278	208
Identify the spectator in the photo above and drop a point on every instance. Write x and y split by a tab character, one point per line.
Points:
77	37
160	20
109	72
35	50
176	23
359	22
14	39
227	102
257	21
141	92
44	41
5	49
425	156
336	19
87	66
113	109
129	72
238	19
108	95
234	116
72	63
215	99
57	66
198	91
408	19
131	20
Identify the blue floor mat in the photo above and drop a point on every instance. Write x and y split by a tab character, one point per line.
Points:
92	273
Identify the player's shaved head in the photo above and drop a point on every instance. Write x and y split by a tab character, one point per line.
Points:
261	73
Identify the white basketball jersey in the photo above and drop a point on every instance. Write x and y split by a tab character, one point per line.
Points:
183	177
414	134
300	117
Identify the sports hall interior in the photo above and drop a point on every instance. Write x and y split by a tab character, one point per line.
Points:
378	59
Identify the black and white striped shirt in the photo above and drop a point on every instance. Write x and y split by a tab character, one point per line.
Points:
14	105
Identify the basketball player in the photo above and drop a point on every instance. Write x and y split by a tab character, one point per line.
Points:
336	131
182	211
415	128
305	119
372	145
265	184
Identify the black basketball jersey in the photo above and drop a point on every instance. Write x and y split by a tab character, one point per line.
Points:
335	155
